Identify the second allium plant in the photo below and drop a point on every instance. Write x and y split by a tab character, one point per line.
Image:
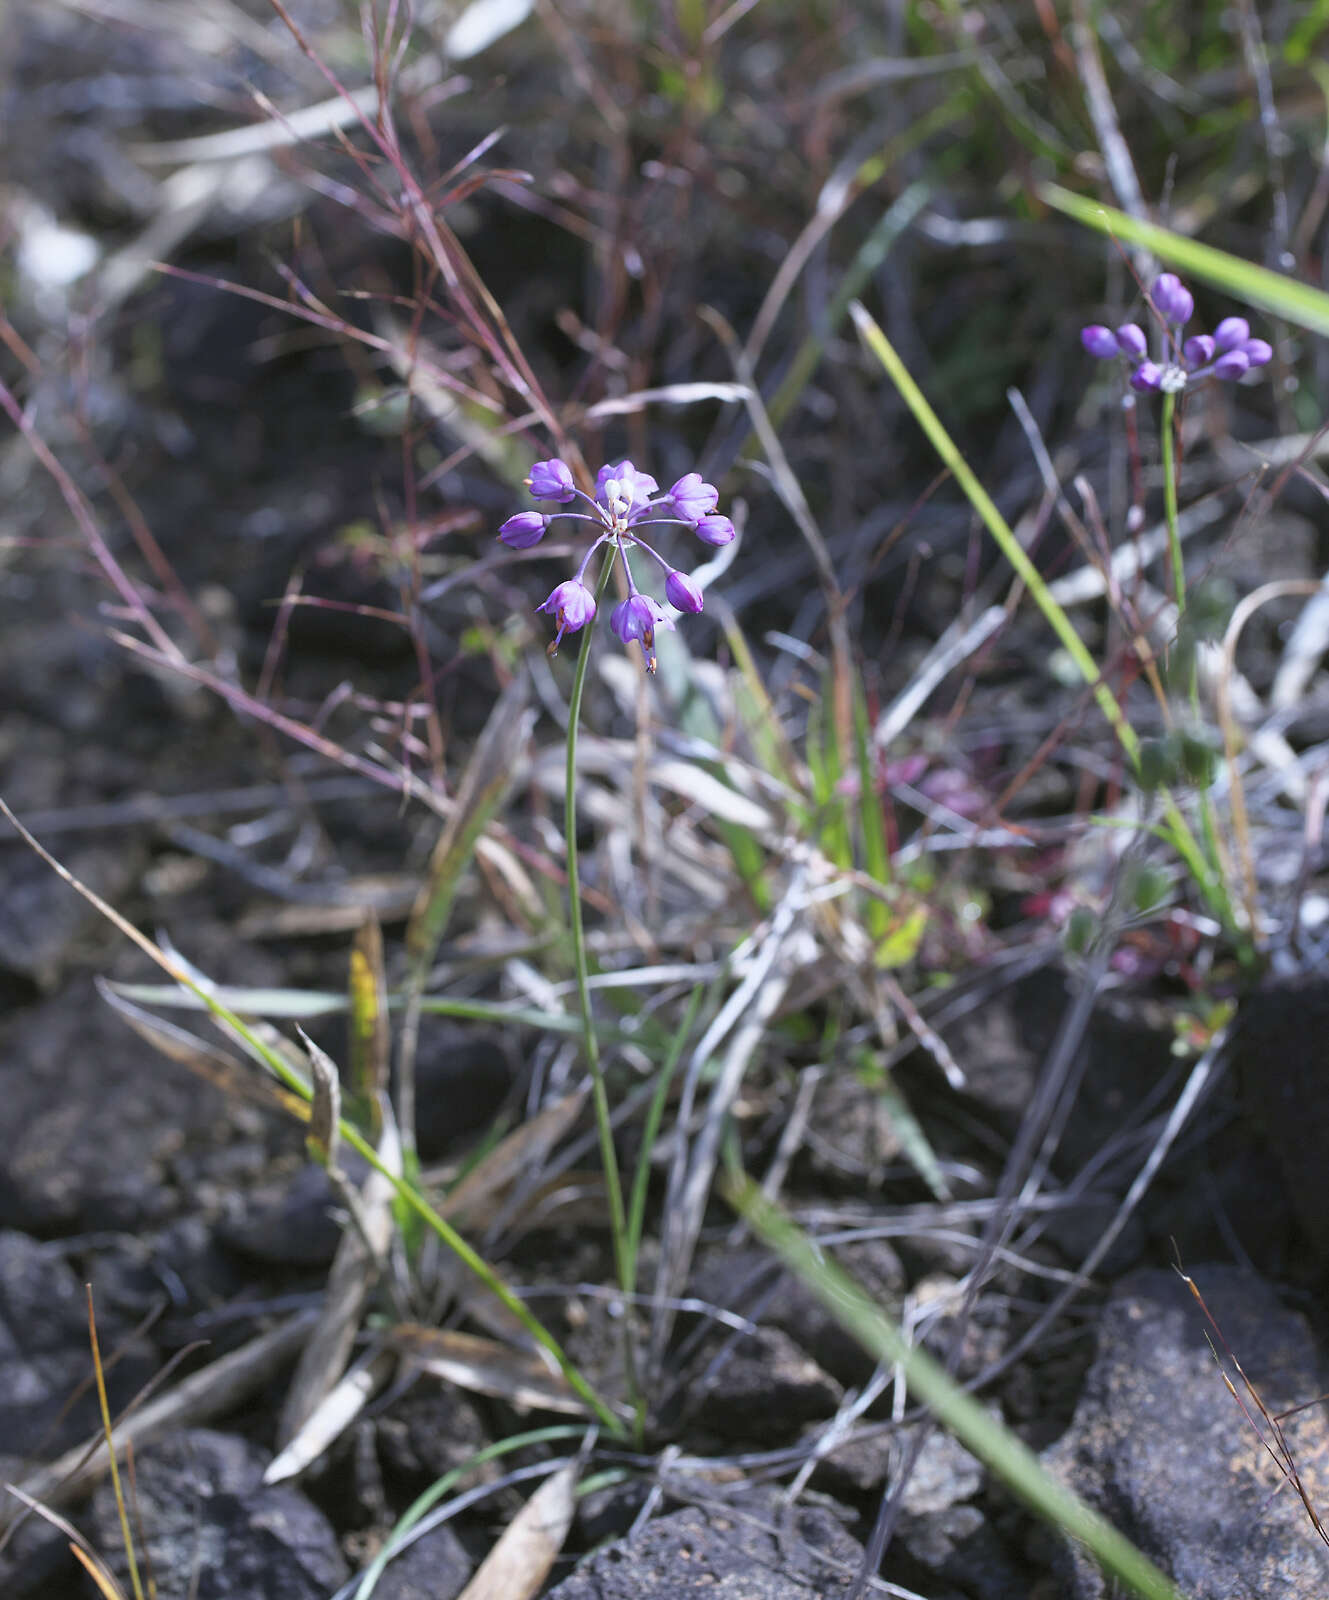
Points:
625	502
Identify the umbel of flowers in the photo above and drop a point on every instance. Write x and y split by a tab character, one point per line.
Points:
1229	352
624	504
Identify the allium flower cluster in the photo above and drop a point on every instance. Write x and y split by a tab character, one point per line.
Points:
1229	352
625	502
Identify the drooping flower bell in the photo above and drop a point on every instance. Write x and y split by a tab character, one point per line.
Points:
625	502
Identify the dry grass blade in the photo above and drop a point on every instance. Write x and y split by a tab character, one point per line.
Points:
211	1063
369	1035
82	1551
523	1152
1279	1451
484	1366
210	1392
519	1563
334	1413
355	1270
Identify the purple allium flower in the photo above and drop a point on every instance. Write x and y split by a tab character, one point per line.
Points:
633	492
1147	378
692	498
527	528
1131	341
715	529
1230	333
638	617
1198	350
680	591
1099	341
625	504
572	605
1258	352
1174	301
1232	363
551	480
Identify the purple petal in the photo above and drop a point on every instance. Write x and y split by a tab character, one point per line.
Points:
551	480
1258	352
1198	350
1099	341
1131	341
527	528
1147	377
683	593
692	498
1230	333
1174	301
1232	364
715	529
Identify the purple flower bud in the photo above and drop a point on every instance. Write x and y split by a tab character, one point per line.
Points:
572	605
551	480
1174	301
1147	377
1099	341
638	617
527	528
715	529
633	491
1232	363
1258	352
1198	350
1230	333
683	593
1131	341
692	498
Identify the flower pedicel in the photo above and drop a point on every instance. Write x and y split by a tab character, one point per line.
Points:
625	502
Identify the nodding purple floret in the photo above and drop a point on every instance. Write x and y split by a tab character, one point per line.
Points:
1258	352
1099	341
1231	333
1131	341
680	591
631	491
1198	350
638	617
527	528
1232	364
1174	302
692	498
715	529
572	605
1147	378
551	480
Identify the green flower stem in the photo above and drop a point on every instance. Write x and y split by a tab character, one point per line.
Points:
623	1254
1170	502
1184	842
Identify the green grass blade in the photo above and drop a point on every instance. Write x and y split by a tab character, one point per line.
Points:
1008	1456
1256	286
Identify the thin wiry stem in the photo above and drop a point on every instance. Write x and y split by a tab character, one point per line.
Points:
600	1097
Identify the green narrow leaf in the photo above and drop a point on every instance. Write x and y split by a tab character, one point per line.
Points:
914	1142
368	1036
1008	1456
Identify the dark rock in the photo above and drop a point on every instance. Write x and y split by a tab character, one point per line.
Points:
746	1548
436	1567
287	1225
43	915
959	1545
1278	1056
760	1388
1162	1449
45	1355
428	1431
101	1115
210	1522
462	1080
